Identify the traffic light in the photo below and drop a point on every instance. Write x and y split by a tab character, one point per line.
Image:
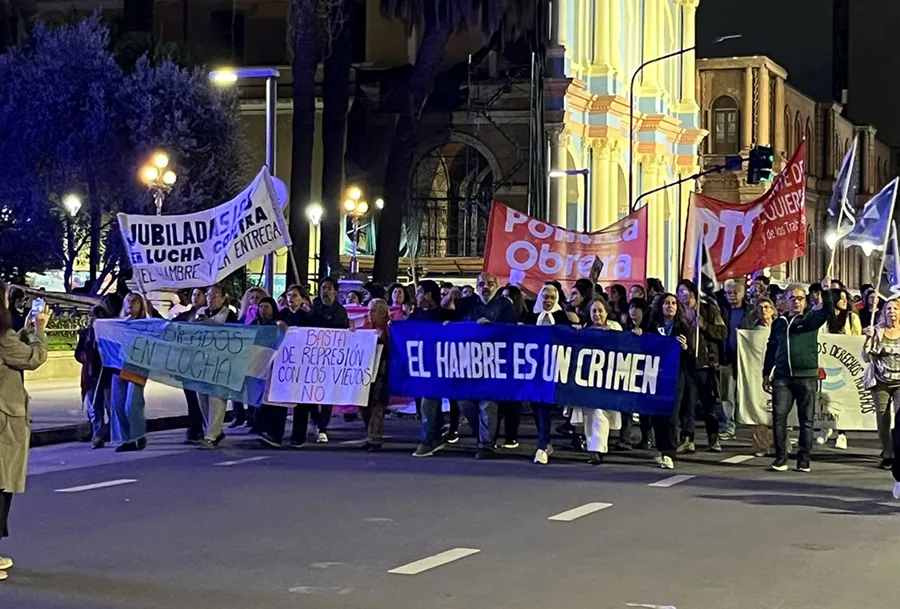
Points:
759	165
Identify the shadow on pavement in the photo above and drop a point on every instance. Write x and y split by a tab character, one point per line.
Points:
825	504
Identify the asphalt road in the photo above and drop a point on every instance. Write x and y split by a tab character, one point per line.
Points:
330	527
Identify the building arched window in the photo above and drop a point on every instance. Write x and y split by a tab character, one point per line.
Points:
798	132
726	136
809	145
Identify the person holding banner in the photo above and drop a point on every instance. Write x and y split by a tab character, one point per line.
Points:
791	370
428	308
597	422
488	306
246	314
881	352
764	316
547	312
379	394
668	319
581	300
213	408
195	417
327	312
128	425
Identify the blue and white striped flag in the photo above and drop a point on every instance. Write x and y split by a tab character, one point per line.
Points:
840	207
889	283
228	361
874	222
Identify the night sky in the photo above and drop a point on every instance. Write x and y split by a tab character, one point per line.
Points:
799	35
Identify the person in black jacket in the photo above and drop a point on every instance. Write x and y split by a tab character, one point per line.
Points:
668	319
428	298
791	370
327	312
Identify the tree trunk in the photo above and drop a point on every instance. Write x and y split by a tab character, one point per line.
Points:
336	100
402	155
303	64
94	200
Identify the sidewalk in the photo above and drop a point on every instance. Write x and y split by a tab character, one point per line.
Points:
58	403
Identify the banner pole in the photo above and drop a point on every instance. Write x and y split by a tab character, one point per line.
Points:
837	240
887	237
294	265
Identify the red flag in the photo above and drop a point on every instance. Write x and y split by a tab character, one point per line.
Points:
527	252
746	237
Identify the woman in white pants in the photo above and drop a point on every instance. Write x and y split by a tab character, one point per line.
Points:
597	422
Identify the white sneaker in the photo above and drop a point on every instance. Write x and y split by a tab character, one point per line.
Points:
841	442
658	459
5	563
549	450
3	575
897	490
823	436
322	438
667	463
541	457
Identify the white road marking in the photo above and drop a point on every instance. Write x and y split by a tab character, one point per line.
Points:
650	606
320	590
359	441
327	565
671	481
90	487
584	510
378	520
737	459
239	461
420	566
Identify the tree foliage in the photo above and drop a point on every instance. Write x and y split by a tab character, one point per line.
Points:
72	120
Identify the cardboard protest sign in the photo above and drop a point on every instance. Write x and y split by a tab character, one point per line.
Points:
745	237
324	366
525	251
200	249
229	361
551	364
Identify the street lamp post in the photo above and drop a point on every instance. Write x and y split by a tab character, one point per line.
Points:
717	40
229	76
158	179
71	204
586	174
314	213
357	209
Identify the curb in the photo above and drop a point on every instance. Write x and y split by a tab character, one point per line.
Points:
82	432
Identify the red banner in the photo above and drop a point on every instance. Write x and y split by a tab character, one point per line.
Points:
525	251
747	237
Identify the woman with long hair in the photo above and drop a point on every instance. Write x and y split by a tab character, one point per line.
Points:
668	319
246	315
871	306
19	351
638	323
581	300
379	394
882	352
618	303
517	299
547	312
844	321
597	422
128	425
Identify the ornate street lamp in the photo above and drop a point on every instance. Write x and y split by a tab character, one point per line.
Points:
158	179
357	209
314	213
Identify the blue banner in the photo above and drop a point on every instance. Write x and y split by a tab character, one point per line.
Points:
551	364
228	361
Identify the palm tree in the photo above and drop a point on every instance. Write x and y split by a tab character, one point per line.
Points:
437	19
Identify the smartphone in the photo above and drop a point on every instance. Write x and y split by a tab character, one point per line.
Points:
36	307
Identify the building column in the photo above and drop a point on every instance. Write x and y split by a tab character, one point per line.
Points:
557	23
747	110
780	144
559	159
764	107
603	210
689	60
656	214
651	76
603	40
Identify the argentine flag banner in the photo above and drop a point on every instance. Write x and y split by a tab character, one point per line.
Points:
227	361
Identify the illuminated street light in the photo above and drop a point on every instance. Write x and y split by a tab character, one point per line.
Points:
72	203
314	213
831	239
356	209
228	77
158	182
379	204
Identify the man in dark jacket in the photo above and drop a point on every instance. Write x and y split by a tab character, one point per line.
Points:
488	305
791	370
327	312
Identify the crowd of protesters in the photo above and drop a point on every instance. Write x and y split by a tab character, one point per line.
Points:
704	323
